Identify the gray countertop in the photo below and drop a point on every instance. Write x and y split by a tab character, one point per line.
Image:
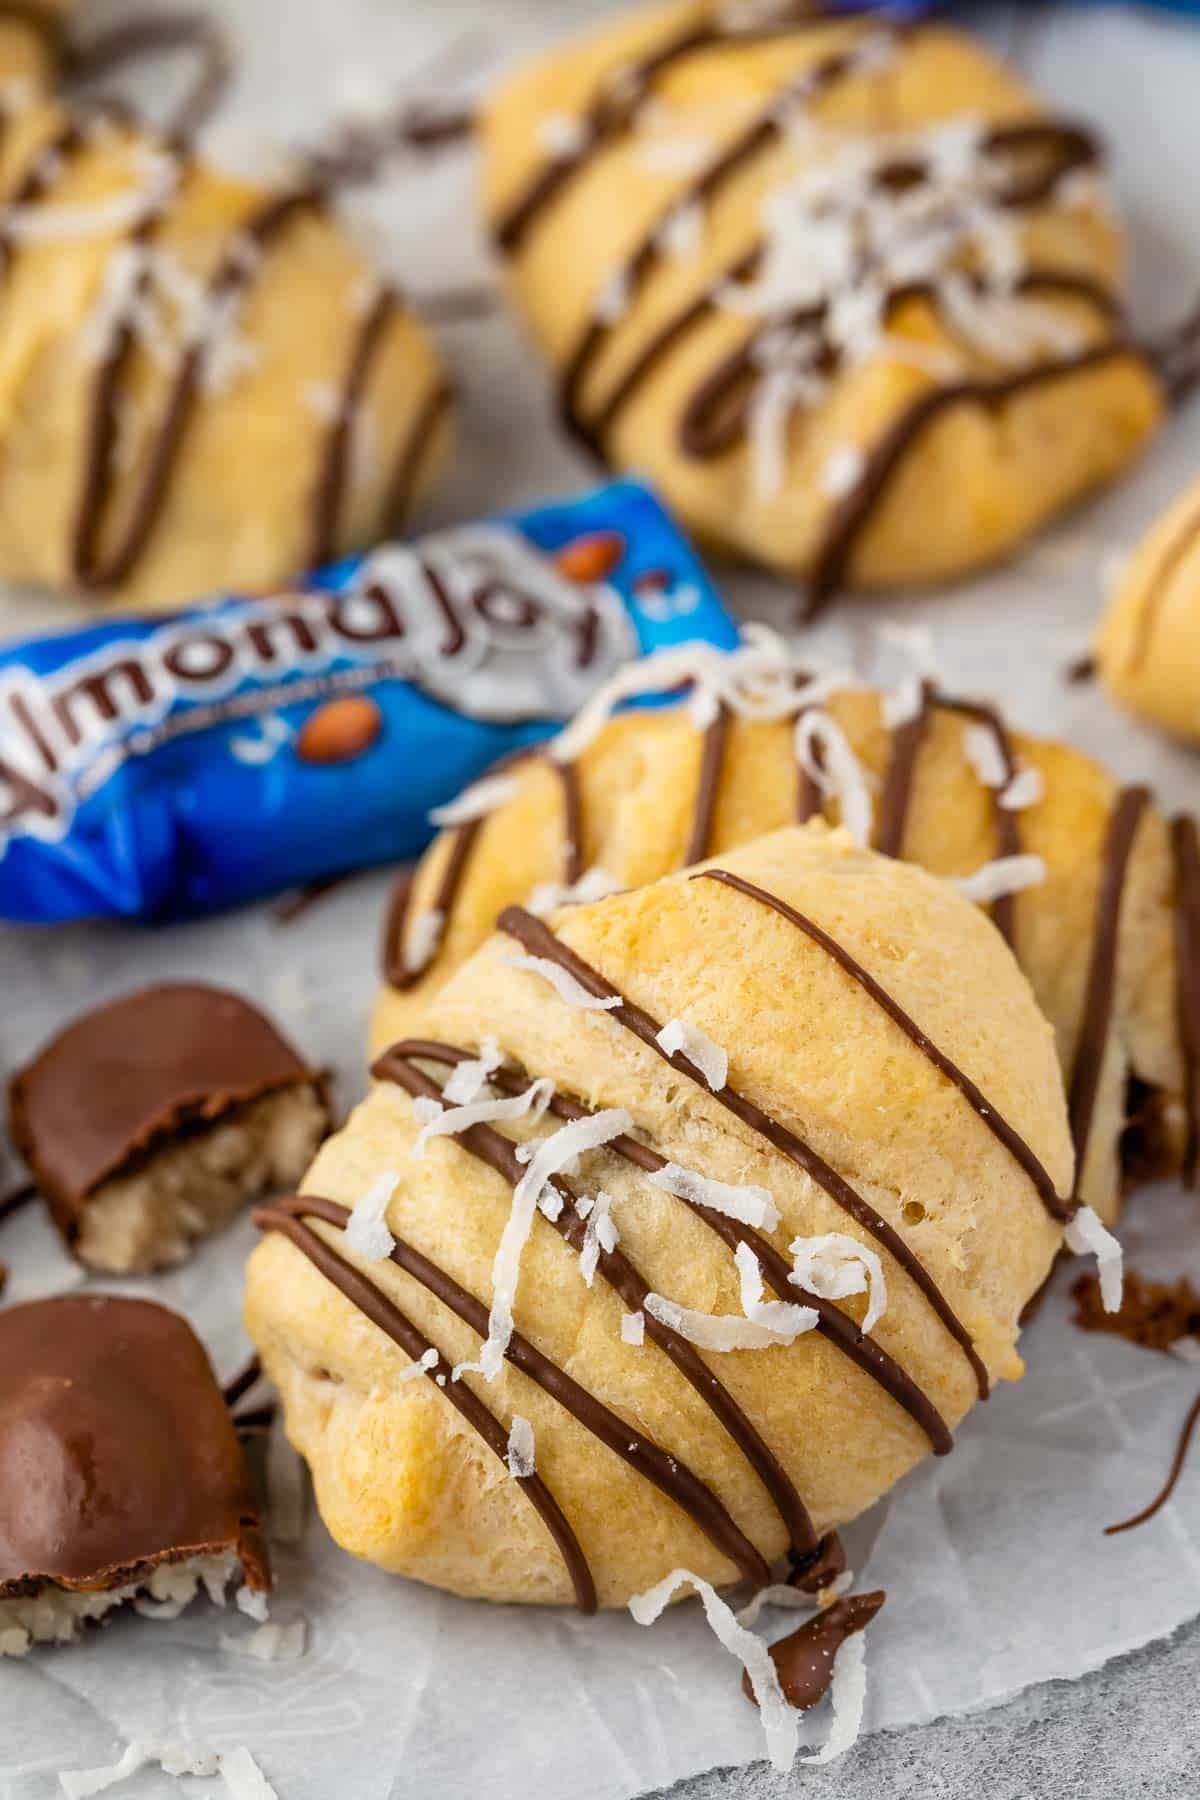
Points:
1130	1729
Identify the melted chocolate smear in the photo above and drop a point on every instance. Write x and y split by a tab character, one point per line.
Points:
999	1127
828	1561
537	938
1152	1314
1168	1488
804	1659
834	1325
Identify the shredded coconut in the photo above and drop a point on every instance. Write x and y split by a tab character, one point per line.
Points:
467	1080
450	1120
751	1205
366	1228
1084	1233
563	982
424	1363
476	802
594	884
780	1721
985	753
834	1265
424	936
842	471
722	1332
915	643
561	135
253	1602
633	1328
1006	875
601	1234
519	1456
1026	788
823	751
780	1317
701	1051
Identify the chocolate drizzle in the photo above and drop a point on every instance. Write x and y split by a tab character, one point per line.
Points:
1168	1488
804	1659
712	761
1185	844
833	1324
1001	1130
335	462
536	937
1102	971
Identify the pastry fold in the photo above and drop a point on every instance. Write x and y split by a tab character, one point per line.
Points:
889	1081
1108	931
844	289
204	384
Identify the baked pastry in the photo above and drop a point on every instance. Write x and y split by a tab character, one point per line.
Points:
777	1058
204	384
121	1476
842	288
148	1122
1148	645
1107	927
32	49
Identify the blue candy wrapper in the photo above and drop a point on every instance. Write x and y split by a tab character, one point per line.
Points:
159	768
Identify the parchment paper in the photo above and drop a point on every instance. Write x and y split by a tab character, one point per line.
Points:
996	1568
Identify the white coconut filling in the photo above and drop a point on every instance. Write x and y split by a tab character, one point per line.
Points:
56	1615
1086	1234
1005	875
834	1265
824	753
565	985
701	1051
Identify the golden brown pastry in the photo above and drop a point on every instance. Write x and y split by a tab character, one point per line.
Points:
810	1060
843	289
1148	647
1106	924
203	383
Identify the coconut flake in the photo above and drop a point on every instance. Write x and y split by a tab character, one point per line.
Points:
1006	875
519	1455
426	1362
848	1695
601	1233
613	299
780	1317
561	135
985	753
633	1328
270	1643
1027	788
252	1602
834	1265
563	982
751	1205
1084	1233
842	471
476	802
243	1778
468	1079
700	1050
594	884
823	751
723	1332
81	1784
780	1721
448	1121
366	1230
424	936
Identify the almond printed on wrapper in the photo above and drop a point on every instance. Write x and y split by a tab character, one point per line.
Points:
590	558
340	730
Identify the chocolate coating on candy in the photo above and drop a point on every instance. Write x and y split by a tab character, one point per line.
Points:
154	1064
117	1452
804	1659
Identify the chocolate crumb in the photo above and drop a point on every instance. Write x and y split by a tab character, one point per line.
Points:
1153	1314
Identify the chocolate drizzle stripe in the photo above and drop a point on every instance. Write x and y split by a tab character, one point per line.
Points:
361	1292
1185	845
850	518
1168	1488
833	1324
1102	971
406	477
608	118
572	799
499	1153
896	798
1156	592
1001	1130
398	970
242	1382
329	493
537	938
232	275
712	763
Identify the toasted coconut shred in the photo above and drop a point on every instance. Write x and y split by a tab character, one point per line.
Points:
1086	1234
